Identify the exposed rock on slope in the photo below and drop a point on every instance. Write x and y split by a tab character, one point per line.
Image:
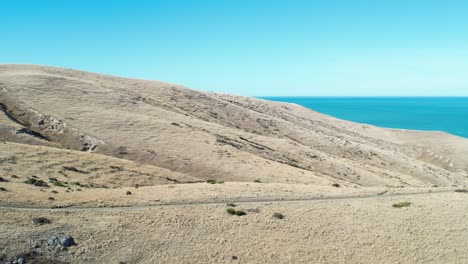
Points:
218	136
79	169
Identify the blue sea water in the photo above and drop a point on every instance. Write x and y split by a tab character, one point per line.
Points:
449	114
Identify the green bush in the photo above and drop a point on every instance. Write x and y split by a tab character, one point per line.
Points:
36	182
59	184
257	181
231	211
30	181
401	205
240	213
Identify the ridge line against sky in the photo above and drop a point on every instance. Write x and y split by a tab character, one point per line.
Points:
255	48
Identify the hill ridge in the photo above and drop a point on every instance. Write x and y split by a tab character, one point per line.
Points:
209	135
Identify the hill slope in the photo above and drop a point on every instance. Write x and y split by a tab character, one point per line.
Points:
225	137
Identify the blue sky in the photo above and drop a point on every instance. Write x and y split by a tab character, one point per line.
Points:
257	48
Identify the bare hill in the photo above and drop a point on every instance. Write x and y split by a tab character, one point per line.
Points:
119	167
215	136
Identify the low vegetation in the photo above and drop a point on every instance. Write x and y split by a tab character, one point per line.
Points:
278	215
402	204
231	211
116	168
71	168
462	190
41	221
257	181
214	182
58	183
36	182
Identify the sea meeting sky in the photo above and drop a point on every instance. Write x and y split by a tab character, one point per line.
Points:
249	47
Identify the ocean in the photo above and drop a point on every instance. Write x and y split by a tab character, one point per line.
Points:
449	114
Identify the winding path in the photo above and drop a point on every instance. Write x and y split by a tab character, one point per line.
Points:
239	201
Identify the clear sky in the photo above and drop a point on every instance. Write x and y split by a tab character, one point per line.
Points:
249	47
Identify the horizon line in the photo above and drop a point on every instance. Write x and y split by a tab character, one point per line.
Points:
362	96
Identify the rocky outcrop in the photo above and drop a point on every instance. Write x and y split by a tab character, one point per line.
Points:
44	127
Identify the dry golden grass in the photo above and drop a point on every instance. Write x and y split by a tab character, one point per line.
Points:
146	172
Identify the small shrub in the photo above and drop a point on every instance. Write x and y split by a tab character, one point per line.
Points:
59	184
231	211
54	191
35	182
258	181
401	205
30	181
231	205
41	183
75	183
71	168
14	177
214	182
129	192
336	185
462	190
3	180
41	221
116	168
240	213
278	215
51	198
2	189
